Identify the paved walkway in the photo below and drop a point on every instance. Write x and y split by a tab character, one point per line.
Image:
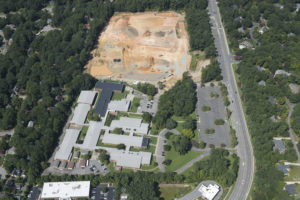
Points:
189	164
291	107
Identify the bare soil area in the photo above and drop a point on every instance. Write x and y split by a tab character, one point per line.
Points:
146	46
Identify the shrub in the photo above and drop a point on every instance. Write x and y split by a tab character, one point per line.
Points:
219	122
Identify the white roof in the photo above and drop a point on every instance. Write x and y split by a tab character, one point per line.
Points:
209	192
65	148
86	96
133	141
80	113
129	159
119	105
130	123
127	122
66	190
92	135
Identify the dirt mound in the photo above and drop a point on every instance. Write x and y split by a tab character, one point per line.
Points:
142	43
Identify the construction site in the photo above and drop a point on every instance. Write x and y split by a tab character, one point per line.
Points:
148	46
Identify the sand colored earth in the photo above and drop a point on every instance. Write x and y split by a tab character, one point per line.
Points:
142	46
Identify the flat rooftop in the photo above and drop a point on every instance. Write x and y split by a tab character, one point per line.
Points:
92	135
80	113
130	124
65	148
129	159
107	89
87	97
133	141
66	190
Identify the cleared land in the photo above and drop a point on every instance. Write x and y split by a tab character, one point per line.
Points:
147	46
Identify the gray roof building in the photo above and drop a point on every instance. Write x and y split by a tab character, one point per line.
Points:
133	141
284	169
279	145
271	99
87	97
262	83
92	135
130	125
107	89
67	144
80	114
119	105
129	159
290	188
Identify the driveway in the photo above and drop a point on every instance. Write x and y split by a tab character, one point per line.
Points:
160	147
218	111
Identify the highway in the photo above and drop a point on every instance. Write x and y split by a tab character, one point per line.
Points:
244	149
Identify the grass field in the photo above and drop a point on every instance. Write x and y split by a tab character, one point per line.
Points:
119	96
153	140
294	174
297	187
134	104
149	149
82	134
170	193
177	159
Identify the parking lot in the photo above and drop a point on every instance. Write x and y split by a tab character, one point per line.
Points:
207	119
94	167
148	106
98	194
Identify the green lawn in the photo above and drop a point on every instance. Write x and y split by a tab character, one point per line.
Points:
153	140
132	115
297	187
134	104
294	174
119	96
82	134
170	193
179	160
151	167
149	149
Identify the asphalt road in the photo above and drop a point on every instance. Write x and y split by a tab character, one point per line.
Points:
244	149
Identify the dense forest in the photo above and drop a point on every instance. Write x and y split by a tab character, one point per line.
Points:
42	72
275	48
180	100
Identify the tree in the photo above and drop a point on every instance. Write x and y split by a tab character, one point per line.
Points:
219	122
168	135
209	131
188	133
171	124
104	157
167	162
167	147
147	117
205	108
121	146
118	131
211	72
189	124
182	144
